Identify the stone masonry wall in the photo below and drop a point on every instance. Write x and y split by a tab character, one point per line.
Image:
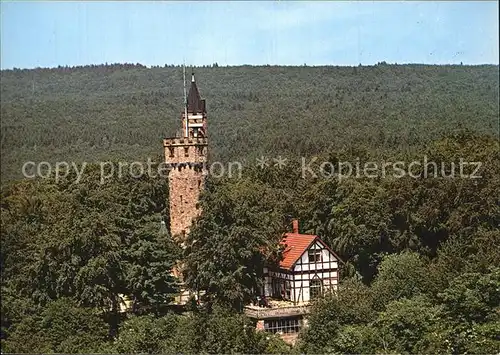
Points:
187	157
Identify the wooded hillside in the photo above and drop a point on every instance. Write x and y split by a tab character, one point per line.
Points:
121	112
422	254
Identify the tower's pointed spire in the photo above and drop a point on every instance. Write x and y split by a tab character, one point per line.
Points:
194	102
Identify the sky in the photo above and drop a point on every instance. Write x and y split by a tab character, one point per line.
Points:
49	34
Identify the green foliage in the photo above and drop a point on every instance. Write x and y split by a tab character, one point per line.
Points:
473	297
189	335
217	332
226	333
144	334
464	318
227	246
149	261
323	325
123	111
402	326
423	253
354	339
470	315
89	241
276	345
351	305
356	302
462	338
399	276
369	218
62	327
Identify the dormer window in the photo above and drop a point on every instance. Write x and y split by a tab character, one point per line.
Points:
314	255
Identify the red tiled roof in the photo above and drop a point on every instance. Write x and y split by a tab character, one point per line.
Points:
296	245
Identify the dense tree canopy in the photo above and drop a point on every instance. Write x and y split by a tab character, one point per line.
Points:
463	319
421	253
122	112
230	243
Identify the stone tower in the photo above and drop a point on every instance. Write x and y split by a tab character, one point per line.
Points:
187	157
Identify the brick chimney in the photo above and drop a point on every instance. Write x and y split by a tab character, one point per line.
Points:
295	226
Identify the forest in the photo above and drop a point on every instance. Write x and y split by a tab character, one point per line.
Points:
422	254
123	111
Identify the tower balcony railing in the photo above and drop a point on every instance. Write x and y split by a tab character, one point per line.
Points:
185	141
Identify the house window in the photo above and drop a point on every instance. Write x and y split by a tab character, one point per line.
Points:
171	149
278	288
315	288
186	151
282	325
314	255
288	290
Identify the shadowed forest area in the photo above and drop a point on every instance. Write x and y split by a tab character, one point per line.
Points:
422	255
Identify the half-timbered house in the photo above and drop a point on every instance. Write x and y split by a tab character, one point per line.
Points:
308	269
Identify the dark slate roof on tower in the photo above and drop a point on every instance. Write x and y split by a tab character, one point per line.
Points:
194	102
